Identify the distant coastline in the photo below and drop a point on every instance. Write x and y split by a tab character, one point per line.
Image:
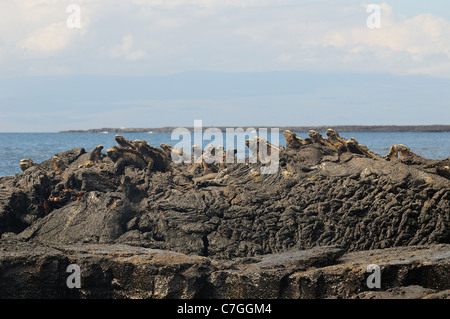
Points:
339	128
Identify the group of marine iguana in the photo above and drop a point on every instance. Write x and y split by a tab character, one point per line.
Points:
141	154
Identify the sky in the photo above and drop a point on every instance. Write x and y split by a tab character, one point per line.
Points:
153	63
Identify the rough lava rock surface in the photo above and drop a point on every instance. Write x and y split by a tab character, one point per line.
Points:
234	233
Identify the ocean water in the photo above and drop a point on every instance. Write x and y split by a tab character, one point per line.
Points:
42	146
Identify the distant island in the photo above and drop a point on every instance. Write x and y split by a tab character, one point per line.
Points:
340	128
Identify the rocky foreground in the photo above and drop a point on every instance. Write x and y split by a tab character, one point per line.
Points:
140	226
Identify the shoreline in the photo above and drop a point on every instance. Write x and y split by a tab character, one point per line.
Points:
341	128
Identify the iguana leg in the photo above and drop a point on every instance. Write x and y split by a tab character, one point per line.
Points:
393	152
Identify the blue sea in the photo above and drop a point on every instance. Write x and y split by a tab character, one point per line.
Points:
42	146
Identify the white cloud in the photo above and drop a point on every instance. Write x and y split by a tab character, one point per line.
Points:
211	3
422	35
420	44
125	50
221	35
47	40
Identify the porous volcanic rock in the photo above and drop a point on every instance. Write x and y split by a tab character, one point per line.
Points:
32	270
316	198
325	192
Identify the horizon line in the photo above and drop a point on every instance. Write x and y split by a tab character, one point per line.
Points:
297	128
